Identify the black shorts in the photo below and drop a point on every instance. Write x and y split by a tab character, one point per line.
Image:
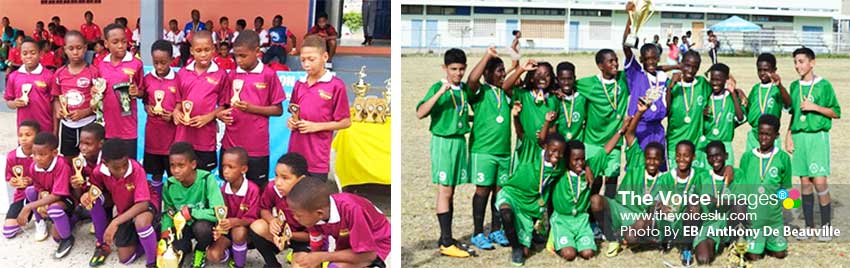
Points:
258	170
126	234
69	140
206	160
156	164
15	209
299	246
128	147
377	263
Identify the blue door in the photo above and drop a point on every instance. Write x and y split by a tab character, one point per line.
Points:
416	33
573	34
431	33
510	26
813	29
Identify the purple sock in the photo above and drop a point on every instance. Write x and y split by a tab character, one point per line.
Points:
98	219
147	238
60	220
157	187
11	231
226	256
240	252
32	196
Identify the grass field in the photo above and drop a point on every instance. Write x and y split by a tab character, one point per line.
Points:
419	223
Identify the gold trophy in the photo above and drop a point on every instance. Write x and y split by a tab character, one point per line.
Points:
282	239
169	258
187	110
360	89
25	92
179	222
132	93
220	215
387	97
237	88
371	115
94	193
42	209
63	104
294	109
639	16
18	172
158	96
98	87
78	162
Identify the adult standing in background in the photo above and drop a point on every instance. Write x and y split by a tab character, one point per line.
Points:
191	27
712	45
369	10
9	33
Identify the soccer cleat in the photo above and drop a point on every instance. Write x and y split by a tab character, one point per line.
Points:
550	245
200	260
537	238
481	241
40	230
454	251
499	237
65	246
824	237
517	257
597	232
101	251
801	235
687	258
613	249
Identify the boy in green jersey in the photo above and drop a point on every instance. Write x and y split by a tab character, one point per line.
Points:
722	114
607	100
569	117
718	187
489	145
767	170
687	96
447	103
524	197
536	97
192	193
813	106
684	180
570	234
768	97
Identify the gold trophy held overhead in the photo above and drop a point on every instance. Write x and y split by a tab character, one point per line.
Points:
639	13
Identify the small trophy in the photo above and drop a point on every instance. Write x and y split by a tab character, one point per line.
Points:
170	257
179	222
78	162
18	172
187	110
122	92
63	104
285	233
294	109
371	115
387	96
360	103
158	96
639	16
220	215
25	92
42	209
237	88
133	93
95	193
652	94
98	87
737	252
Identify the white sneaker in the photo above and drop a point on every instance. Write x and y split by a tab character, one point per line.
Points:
802	234
824	237
40	230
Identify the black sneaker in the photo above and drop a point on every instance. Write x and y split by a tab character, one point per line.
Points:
100	254
538	238
517	257
65	246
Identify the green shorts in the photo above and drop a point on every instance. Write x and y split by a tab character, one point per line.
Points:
448	160
811	154
701	160
758	243
524	214
608	166
622	215
571	231
753	142
703	233
488	169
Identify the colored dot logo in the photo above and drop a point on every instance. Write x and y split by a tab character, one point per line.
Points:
790	199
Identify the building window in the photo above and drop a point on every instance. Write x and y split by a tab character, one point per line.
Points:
496	10
448	10
484	28
768	18
601	30
718	16
544	11
543	29
682	15
59	2
590	13
411	10
459	28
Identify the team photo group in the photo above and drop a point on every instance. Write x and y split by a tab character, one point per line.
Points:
638	156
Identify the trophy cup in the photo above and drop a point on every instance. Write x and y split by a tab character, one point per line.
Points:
25	92
169	258
387	96
639	16
179	222
98	87
122	91
18	172
42	209
360	89
737	252
220	215
158	96
187	110
652	94
237	88
280	240
371	115
63	104
95	193
78	162
294	109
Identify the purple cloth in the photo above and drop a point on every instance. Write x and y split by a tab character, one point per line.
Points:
60	220
98	219
649	128
147	239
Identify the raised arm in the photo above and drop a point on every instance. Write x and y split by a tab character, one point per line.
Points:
425	109
627	50
547	128
474	79
509	83
783	92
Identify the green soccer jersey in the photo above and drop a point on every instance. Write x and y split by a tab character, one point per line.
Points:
607	101
533	113
525	183
450	114
491	125
764	175
687	102
763	99
635	158
638	182
721	122
571	194
715	185
201	197
822	94
572	113
685	186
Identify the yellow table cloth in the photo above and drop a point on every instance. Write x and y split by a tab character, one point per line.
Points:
363	154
